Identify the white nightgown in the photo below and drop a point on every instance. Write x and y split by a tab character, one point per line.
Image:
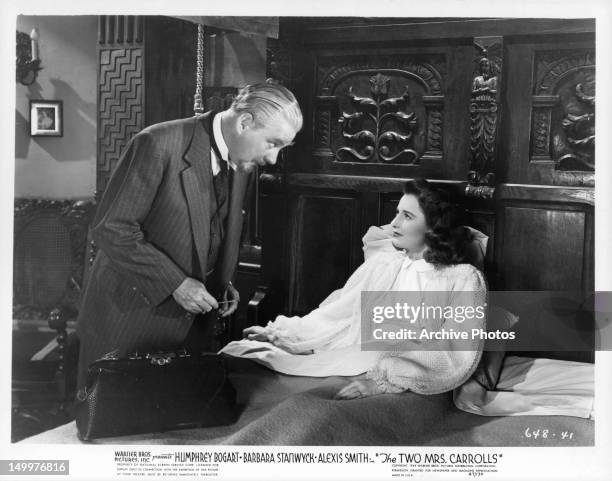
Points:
326	341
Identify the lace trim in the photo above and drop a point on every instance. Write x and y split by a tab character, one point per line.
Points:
384	386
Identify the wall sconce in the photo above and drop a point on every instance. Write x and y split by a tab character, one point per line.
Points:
28	57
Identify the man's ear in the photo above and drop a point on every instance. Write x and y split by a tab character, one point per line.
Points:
246	121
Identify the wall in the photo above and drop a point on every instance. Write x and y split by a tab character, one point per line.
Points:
59	167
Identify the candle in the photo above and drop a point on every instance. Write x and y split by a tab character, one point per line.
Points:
34	38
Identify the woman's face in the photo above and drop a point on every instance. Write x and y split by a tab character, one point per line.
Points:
409	225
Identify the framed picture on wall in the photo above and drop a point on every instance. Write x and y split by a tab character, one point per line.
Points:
46	118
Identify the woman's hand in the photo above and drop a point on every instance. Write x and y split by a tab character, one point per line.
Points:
358	389
256	333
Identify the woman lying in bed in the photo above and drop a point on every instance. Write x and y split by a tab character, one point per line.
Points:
426	253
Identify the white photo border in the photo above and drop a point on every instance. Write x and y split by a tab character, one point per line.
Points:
58	121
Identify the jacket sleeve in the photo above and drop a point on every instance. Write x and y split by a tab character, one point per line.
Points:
118	224
429	371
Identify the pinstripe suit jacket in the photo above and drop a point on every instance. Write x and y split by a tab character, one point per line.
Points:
152	229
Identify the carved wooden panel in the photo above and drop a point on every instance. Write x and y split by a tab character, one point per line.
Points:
563	120
322	247
548	129
505	93
383	109
531	262
484	115
545	238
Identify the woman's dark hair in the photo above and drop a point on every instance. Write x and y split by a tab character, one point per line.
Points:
448	238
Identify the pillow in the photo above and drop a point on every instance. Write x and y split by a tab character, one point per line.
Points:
477	249
377	239
490	365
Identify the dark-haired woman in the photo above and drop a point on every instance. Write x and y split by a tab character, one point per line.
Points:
426	248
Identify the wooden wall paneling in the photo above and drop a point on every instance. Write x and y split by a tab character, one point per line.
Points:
485	116
323	32
545	242
540	237
545	237
275	229
515	128
379	40
370	206
535	239
550	101
361	86
563	120
324	245
457	112
313	226
388	206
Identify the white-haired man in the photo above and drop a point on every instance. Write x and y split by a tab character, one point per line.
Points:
168	226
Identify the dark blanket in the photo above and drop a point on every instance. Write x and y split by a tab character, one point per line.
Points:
288	410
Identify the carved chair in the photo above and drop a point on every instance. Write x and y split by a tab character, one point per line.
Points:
49	259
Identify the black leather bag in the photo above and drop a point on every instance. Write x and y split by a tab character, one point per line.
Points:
155	392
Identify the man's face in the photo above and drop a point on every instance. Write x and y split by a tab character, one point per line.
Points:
260	144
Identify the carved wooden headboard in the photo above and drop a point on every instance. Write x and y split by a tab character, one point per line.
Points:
501	111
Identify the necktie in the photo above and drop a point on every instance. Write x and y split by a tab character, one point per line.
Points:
221	184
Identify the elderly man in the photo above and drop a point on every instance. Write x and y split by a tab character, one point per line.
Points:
168	226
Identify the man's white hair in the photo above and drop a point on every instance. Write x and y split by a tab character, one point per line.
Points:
265	100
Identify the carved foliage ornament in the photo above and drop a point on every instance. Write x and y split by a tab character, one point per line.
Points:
428	73
368	131
415	80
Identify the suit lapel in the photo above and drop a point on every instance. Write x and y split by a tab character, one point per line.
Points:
197	182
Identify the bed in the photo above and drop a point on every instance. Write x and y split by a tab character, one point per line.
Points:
278	409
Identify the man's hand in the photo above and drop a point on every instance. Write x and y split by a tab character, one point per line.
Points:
358	389
192	296
231	298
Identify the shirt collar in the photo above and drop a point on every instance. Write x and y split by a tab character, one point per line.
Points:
218	134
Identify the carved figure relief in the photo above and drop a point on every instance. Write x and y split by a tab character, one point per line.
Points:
563	116
484	115
579	133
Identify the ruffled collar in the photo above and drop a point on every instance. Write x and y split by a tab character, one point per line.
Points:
419	265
